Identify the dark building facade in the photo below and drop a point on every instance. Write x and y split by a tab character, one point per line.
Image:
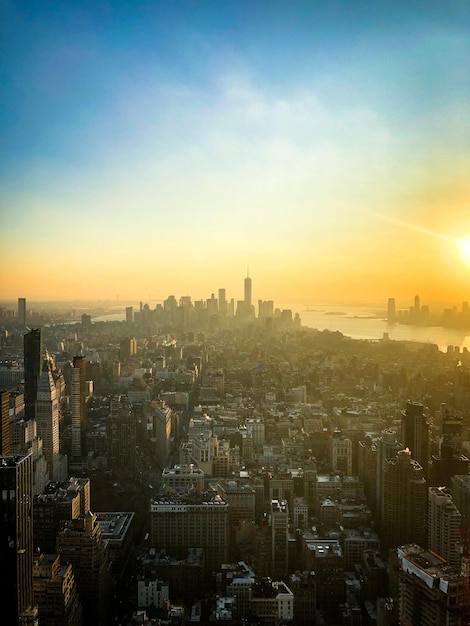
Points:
16	540
32	345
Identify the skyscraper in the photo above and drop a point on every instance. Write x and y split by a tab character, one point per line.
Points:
415	433
279	520
32	344
22	312
16	540
403	503
391	312
247	292
129	315
78	406
430	589
222	302
47	419
4	422
444	526
121	436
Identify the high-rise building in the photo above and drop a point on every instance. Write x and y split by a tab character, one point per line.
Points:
16	540
403	503
387	446
22	313
80	542
4	422
247	293
129	315
444	526
33	354
415	433
195	520
121	436
78	406
47	419
25	440
430	590
222	302
460	489
391	312
279	520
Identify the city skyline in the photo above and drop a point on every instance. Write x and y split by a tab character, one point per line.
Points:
161	148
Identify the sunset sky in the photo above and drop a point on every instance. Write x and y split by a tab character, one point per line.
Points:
150	148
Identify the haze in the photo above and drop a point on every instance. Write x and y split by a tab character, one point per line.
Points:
163	147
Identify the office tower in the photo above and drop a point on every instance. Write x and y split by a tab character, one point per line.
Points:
25	440
75	406
391	312
460	489
55	592
195	520
403	503
247	292
367	470
80	543
212	305
265	309
415	433
22	312
47	419
129	315
5	422
78	406
444	526
32	344
222	302
430	590
16	540
387	447
121	436
417	306
279	520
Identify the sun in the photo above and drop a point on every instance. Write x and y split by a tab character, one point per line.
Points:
465	248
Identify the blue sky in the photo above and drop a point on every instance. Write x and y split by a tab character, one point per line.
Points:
280	135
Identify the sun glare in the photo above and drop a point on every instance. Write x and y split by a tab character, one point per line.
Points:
465	248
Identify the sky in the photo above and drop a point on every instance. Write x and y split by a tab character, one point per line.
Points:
155	148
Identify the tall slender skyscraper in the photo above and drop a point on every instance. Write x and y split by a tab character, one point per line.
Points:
222	302
279	520
78	406
32	344
4	422
22	312
16	540
47	419
444	526
403	503
415	433
247	290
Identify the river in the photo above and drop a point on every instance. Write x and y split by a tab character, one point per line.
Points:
366	323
